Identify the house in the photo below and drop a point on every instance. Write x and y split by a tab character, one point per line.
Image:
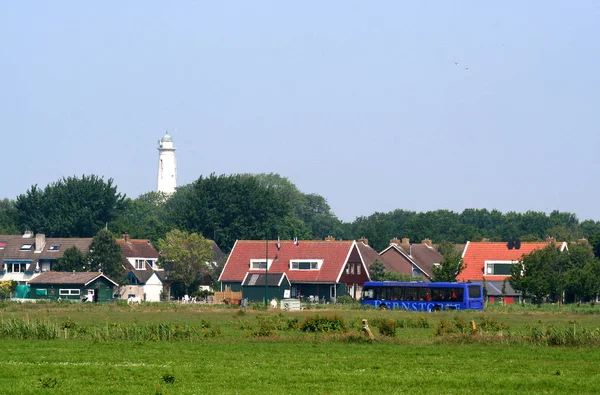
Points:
94	286
146	279
24	257
493	262
415	260
321	269
500	292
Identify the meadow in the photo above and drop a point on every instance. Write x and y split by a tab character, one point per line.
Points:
194	349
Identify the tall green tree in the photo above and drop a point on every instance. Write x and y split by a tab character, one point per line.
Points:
228	208
377	270
143	218
72	260
106	255
184	256
8	217
540	275
451	264
70	207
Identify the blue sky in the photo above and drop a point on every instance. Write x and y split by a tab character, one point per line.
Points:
360	102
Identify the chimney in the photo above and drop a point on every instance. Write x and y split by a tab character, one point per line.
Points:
330	238
364	240
126	237
485	240
405	241
427	242
28	234
395	241
40	242
582	241
549	239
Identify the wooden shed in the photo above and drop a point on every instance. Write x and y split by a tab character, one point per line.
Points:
87	286
253	286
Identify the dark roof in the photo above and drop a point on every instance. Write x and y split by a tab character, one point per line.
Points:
137	248
258	280
77	278
420	254
142	275
217	253
494	288
12	250
368	254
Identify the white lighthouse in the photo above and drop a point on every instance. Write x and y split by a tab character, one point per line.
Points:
167	166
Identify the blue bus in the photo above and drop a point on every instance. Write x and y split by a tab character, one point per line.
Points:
422	296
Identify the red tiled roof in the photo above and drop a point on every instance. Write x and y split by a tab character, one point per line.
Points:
333	253
137	248
476	253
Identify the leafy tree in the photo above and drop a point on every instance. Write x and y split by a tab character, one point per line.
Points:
377	270
8	217
72	260
451	264
227	208
143	217
7	288
594	240
70	207
105	255
184	256
540	275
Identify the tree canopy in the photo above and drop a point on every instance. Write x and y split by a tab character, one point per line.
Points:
70	207
105	255
451	264
184	256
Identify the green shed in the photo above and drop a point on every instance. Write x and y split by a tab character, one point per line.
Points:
253	286
85	286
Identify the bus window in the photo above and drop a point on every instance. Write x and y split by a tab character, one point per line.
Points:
397	293
456	294
411	293
474	291
368	294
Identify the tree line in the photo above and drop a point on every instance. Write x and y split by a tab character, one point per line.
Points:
245	206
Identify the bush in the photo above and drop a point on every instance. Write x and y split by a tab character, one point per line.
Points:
346	299
319	323
490	325
387	327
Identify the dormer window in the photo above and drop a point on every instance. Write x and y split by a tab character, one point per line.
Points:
310	264
140	264
54	247
26	247
259	264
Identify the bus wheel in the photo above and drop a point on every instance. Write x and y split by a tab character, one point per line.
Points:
436	308
383	307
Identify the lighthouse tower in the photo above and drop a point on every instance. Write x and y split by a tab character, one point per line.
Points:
167	166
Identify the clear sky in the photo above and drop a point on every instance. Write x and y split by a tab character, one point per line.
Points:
360	102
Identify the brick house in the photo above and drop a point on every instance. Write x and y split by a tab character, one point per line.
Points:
321	269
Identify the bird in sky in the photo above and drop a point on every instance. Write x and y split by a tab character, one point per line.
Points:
466	68
456	63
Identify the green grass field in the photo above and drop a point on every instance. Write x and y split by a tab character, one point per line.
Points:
238	360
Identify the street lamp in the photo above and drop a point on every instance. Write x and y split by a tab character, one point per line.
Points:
267	265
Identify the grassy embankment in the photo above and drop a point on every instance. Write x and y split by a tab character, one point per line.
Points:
228	353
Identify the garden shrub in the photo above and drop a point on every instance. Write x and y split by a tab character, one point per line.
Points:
387	327
318	323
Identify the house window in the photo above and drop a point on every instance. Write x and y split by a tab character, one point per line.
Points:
352	268
16	267
139	264
150	263
69	292
259	264
358	269
498	268
54	247
26	247
305	265
347	268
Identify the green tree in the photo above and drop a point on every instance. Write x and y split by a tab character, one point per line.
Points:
594	240
227	208
451	264
8	217
184	256
72	260
106	255
70	207
377	270
143	218
540	275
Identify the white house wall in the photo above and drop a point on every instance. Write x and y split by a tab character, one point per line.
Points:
153	288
